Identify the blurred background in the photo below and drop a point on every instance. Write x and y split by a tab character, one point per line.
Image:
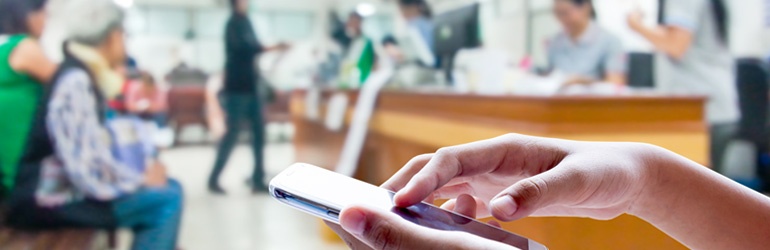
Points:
361	86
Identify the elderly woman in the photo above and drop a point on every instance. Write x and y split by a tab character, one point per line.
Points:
68	176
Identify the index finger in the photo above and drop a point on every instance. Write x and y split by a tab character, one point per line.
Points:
402	177
448	163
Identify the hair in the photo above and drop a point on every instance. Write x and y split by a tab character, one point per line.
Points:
583	3
90	22
147	78
425	9
389	40
722	20
14	13
354	14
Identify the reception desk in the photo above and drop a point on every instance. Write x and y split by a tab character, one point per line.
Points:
404	125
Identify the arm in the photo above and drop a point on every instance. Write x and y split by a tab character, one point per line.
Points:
30	58
704	210
615	64
80	141
516	176
616	78
240	38
675	37
277	47
671	40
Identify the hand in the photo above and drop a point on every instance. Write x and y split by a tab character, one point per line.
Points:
515	176
578	80
155	175
282	46
635	20
368	228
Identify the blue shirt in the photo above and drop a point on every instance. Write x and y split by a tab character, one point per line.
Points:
594	54
707	68
425	26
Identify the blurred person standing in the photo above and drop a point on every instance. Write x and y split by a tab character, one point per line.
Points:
420	44
240	97
418	15
346	34
694	38
584	51
23	67
68	176
359	56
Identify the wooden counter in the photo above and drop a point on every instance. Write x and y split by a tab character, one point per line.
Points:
408	124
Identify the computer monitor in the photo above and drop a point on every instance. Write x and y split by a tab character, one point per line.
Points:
455	30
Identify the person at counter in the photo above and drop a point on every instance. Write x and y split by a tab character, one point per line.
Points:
359	57
584	51
515	176
693	37
418	15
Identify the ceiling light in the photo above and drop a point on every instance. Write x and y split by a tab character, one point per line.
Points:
125	3
366	9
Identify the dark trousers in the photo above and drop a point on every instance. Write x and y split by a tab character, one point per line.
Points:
239	108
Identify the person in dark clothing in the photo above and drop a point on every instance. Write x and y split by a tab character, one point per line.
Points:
240	95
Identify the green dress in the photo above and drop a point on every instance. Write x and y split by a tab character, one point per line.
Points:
19	95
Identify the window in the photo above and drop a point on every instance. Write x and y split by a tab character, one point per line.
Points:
283	26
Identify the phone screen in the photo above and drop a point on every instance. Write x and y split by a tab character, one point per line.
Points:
324	193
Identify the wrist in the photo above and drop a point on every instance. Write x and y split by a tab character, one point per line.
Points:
662	169
635	26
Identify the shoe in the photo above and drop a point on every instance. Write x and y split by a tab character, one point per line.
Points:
257	188
260	190
216	189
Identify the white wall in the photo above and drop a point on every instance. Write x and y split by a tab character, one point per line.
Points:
504	23
750	32
157	36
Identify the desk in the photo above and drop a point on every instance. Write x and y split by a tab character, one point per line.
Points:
408	124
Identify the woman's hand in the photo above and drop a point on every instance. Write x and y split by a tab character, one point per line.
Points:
155	175
369	228
515	176
635	20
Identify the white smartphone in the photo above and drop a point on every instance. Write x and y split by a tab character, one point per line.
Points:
324	193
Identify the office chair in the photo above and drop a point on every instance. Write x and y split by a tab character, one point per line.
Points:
641	70
753	85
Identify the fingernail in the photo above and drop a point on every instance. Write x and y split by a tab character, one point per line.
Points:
505	205
354	222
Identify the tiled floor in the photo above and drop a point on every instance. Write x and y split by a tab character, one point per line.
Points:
239	220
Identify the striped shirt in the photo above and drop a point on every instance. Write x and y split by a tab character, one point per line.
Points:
83	165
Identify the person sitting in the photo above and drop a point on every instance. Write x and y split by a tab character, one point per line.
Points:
24	69
147	100
68	176
516	176
584	51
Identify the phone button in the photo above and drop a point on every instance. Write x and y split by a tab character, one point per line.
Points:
333	214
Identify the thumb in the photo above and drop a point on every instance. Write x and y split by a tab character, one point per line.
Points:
382	230
559	185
